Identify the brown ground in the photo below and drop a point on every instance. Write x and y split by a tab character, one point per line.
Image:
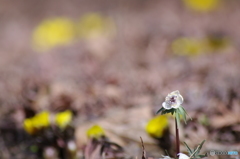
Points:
136	68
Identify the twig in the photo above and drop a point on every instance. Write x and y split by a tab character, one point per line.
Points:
143	149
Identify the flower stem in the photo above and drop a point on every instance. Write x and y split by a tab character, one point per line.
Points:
177	139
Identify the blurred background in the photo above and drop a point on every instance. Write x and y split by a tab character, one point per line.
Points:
66	66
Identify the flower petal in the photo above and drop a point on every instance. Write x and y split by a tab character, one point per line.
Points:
166	105
179	99
175	106
175	92
182	156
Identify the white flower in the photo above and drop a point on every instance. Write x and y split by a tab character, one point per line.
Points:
183	156
165	157
173	100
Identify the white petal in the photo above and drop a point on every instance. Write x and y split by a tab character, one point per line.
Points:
175	92
166	157
179	99
183	156
176	105
166	106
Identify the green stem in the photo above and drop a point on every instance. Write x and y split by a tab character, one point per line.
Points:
177	139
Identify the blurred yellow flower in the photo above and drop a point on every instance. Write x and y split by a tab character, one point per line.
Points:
157	126
95	132
187	47
39	121
202	5
62	119
93	25
191	47
28	126
53	32
216	43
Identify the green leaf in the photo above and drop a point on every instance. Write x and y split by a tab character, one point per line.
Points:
173	111
165	111
177	117
189	150
186	113
197	150
183	114
200	146
194	153
202	156
160	110
34	148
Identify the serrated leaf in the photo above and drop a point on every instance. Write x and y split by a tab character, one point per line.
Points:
189	150
160	110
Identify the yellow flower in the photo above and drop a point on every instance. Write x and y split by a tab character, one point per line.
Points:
95	132
53	32
41	120
157	126
94	25
28	126
201	5
216	43
192	47
187	47
63	118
